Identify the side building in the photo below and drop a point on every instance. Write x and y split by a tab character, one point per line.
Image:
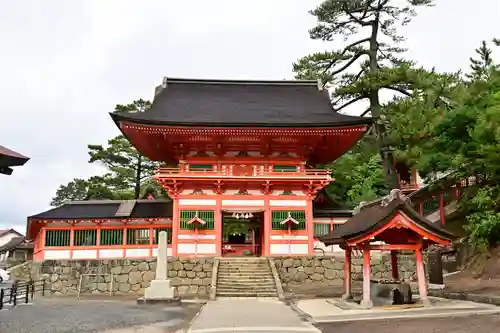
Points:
244	181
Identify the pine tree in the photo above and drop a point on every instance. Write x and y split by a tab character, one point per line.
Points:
481	68
375	51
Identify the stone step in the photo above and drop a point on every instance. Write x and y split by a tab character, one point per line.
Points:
244	270
248	268
245	294
244	276
250	283
264	264
245	281
236	273
246	288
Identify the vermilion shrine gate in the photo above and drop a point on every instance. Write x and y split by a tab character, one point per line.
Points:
243	183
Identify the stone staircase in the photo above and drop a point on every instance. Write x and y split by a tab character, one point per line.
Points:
245	277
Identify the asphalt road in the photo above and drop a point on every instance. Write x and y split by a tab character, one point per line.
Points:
63	315
470	324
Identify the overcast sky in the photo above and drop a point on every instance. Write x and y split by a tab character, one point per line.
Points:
65	64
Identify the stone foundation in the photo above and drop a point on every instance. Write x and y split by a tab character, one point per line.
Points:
330	270
192	277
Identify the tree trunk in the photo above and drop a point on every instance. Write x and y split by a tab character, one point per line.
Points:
385	150
137	190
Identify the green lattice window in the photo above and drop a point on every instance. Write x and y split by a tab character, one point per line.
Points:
206	215
430	205
85	237
57	237
137	236
156	235
321	229
281	215
200	167
285	168
111	236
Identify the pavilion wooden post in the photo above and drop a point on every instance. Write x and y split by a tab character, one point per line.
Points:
366	302
394	265
347	274
422	285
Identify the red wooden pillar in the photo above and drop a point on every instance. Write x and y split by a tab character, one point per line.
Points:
394	265
421	208
441	207
366	302
422	285
266	251
310	226
98	241
347	274
72	241
176	219
218	228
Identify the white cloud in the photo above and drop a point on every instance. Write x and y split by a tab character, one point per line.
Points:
65	64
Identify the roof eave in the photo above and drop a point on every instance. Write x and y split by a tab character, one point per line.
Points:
118	118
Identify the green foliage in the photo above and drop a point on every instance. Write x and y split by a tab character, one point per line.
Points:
83	189
459	134
369	62
128	173
358	175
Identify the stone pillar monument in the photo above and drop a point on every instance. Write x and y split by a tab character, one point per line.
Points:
160	290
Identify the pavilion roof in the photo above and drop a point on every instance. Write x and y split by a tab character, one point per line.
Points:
10	158
379	213
325	206
106	209
229	103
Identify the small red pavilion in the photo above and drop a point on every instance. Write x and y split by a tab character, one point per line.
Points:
390	224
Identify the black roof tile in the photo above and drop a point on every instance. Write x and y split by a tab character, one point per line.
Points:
105	209
241	103
375	215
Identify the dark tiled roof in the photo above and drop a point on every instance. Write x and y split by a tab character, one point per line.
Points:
16	242
106	209
324	206
10	158
241	103
376	215
6	231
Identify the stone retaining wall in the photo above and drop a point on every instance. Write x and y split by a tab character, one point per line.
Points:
330	270
192	277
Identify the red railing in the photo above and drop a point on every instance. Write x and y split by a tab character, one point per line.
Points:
177	172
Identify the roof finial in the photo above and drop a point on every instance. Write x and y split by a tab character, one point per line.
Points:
394	195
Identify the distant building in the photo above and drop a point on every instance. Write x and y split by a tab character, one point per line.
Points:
14	246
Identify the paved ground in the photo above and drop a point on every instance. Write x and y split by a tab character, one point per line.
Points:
471	324
249	316
64	315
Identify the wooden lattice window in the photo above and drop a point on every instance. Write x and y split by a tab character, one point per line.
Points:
111	236
156	235
207	216
201	167
138	236
321	229
57	237
281	215
430	205
85	237
285	168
